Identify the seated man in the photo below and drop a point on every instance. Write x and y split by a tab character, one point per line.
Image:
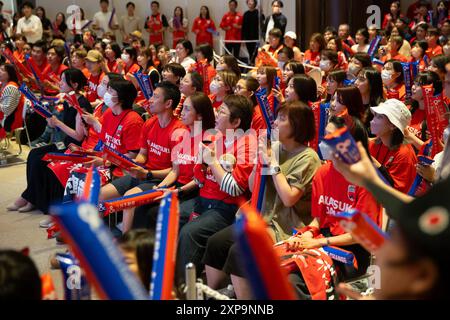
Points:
157	142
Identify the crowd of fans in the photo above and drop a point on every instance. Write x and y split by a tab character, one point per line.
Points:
364	89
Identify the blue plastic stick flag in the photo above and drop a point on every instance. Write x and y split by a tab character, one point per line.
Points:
144	84
374	46
93	245
341	255
275	100
165	249
263	103
415	68
408	80
324	112
77	287
92	187
36	104
424	158
377	62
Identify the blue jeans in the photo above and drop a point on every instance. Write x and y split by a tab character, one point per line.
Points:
213	216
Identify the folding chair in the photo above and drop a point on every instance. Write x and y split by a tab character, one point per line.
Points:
15	133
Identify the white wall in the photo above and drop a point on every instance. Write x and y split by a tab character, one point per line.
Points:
191	8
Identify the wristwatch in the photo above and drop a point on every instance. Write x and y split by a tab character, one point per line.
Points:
149	176
274	170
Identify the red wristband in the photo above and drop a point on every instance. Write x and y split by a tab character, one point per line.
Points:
314	230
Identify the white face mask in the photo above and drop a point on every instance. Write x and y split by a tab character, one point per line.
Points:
214	87
325	65
125	57
110	101
101	90
281	65
353	69
386	76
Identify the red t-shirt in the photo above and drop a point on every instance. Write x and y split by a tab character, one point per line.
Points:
312	58
433	52
159	142
398	92
215	103
202	25
132	69
228	20
54	75
400	163
121	132
185	156
258	122
416	123
113	66
93	82
244	151
398	57
92	138
332	194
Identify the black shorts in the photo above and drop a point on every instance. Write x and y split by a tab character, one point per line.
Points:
126	183
222	253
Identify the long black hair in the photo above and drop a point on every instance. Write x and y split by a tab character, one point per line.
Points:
142	243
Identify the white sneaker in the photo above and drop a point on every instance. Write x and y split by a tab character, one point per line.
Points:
47	223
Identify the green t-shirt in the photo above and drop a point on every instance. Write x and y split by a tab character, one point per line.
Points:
299	168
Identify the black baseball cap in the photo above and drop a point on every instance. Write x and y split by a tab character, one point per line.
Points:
424	222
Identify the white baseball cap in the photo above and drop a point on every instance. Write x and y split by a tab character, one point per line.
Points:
396	111
291	34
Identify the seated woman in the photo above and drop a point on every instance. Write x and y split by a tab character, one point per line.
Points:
222	85
357	63
290	69
128	62
197	110
266	78
11	100
191	83
328	62
43	185
370	86
223	180
347	104
184	50
204	55
393	81
228	63
268	54
335	80
119	128
112	56
173	72
335	44
418	53
247	88
331	194
301	88
287	200
388	125
317	43
418	126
